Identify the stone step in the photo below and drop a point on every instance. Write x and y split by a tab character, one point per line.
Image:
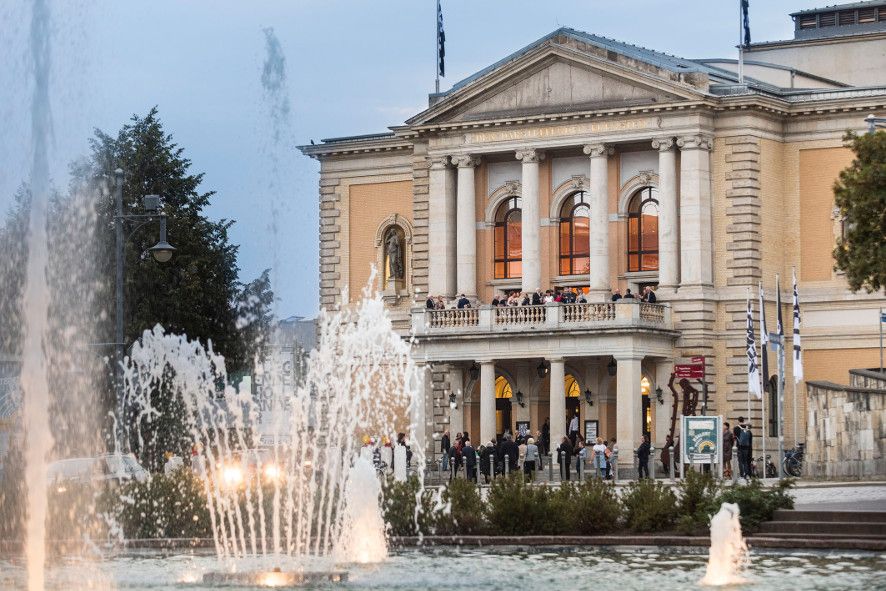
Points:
817	528
844	516
820	536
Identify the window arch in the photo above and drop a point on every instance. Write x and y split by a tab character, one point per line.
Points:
643	230
509	239
575	217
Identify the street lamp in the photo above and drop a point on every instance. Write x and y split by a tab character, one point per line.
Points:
874	122
162	253
659	395
589	397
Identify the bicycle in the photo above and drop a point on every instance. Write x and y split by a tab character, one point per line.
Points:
793	461
771	470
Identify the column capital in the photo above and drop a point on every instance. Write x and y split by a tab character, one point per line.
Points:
696	141
662	144
528	155
556	360
466	160
598	150
438	162
486	361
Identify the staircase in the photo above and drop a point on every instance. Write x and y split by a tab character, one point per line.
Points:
862	529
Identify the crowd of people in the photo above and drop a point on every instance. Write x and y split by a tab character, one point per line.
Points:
526	454
566	295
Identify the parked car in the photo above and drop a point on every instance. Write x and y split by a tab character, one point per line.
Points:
112	468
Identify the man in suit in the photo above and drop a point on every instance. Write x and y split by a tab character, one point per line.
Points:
463	302
470	458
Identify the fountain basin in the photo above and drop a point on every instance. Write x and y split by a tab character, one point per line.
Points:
276	578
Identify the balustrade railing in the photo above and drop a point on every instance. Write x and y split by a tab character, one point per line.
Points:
652	313
588	312
454	318
515	315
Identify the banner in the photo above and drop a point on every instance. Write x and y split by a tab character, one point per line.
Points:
701	439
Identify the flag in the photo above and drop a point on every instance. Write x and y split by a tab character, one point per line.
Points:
746	23
798	353
764	340
754	385
441	42
779	324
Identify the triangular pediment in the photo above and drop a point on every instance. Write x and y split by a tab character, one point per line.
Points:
557	77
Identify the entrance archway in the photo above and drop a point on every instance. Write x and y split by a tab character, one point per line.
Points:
503	393
572	391
646	416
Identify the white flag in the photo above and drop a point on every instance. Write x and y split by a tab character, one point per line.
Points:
798	352
754	385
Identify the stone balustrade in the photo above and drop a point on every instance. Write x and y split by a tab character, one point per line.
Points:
548	317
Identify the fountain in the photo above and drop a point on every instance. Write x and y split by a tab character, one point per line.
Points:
728	555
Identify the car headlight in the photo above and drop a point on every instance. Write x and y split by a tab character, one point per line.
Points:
232	475
271	472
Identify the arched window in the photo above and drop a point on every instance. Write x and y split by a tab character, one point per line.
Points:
509	239
575	215
571	387
643	230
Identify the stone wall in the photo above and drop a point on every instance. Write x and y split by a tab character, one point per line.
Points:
846	431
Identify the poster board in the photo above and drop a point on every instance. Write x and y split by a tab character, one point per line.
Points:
523	429
701	440
591	429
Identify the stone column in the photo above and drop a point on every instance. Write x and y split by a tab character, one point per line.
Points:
487	401
557	395
531	219
668	215
695	210
457	415
599	222
629	408
466	227
662	411
441	228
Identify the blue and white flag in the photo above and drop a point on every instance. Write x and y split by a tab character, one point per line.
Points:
754	385
746	23
764	341
779	323
798	352
441	42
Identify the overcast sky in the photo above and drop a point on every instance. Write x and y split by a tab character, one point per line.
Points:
353	67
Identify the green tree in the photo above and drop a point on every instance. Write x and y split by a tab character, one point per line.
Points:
860	194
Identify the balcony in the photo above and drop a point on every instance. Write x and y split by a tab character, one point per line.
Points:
549	318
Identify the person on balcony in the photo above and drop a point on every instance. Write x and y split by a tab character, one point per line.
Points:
649	295
616	295
526	300
439	304
463	302
537	297
628	295
430	303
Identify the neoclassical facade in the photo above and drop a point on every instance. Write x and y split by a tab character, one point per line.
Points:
587	163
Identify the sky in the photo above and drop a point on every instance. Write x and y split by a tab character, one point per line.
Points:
352	67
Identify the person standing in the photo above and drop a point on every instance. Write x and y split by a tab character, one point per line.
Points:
546	437
564	454
643	457
531	460
573	429
666	454
470	458
745	440
599	450
463	302
445	444
728	443
487	454
581	454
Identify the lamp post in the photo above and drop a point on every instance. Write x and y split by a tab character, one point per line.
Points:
162	253
875	122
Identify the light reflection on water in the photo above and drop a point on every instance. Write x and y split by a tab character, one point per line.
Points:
615	568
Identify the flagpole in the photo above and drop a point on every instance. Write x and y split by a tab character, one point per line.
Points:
794	361
764	377
748	296
437	47
740	43
780	322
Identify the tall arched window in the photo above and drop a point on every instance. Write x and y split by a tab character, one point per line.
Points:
509	239
643	230
575	215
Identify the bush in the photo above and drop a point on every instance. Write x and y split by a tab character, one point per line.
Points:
757	503
649	506
164	506
399	503
698	494
465	514
515	508
595	507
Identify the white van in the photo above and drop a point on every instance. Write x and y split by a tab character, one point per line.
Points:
104	468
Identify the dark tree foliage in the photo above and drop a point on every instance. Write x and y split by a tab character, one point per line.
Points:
255	305
860	194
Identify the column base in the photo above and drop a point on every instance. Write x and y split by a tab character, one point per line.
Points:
599	296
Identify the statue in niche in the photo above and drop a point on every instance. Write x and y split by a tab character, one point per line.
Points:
394	254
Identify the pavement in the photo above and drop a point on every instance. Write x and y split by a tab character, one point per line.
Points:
833	496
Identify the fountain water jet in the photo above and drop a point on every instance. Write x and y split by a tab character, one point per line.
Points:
728	555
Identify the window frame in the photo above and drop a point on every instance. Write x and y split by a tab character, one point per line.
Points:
570	219
503	213
651	195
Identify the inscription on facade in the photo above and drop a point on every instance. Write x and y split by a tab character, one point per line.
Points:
594	127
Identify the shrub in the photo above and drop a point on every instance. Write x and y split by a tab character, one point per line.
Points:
515	508
399	503
697	502
465	514
164	506
649	506
757	503
595	507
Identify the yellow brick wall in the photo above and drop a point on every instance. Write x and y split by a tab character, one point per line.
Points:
779	212
368	205
833	365
718	212
818	169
